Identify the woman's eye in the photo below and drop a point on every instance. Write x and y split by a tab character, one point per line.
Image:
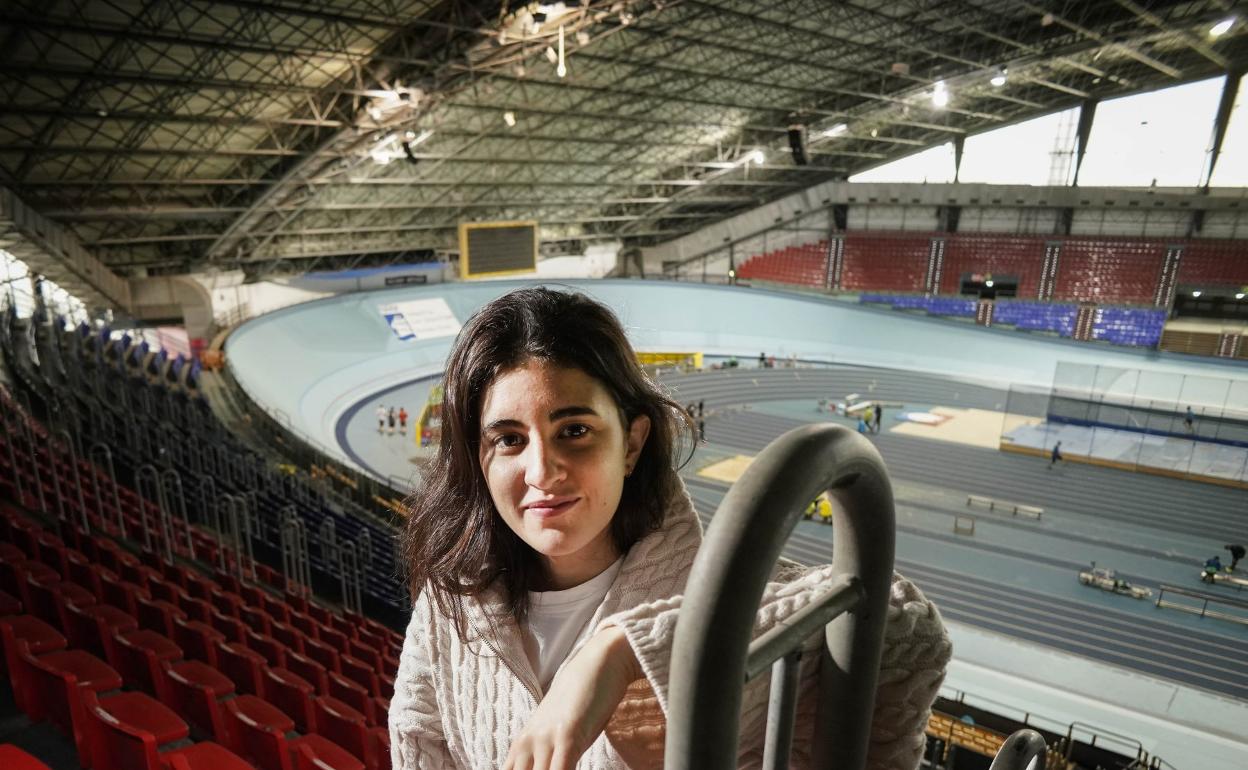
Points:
507	440
576	431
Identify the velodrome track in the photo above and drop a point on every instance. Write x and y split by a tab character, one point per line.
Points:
1135	499
1211	661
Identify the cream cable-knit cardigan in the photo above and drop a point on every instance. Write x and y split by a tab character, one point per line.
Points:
459	705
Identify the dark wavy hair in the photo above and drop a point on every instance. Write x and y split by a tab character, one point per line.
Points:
455	544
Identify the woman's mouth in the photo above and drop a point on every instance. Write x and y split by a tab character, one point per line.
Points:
544	509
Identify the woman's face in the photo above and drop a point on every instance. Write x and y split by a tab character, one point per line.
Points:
554	454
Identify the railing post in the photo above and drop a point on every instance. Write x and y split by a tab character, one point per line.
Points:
725	586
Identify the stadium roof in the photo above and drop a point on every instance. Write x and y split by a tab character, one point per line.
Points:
274	135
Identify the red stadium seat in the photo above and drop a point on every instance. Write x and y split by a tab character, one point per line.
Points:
322	653
13	758
119	743
348	728
55	684
194	690
157	615
255	618
37	634
308	670
197	640
360	672
9	604
258	730
140	655
92	628
292	694
232	628
274	652
290	637
123	595
353	695
196	609
244	667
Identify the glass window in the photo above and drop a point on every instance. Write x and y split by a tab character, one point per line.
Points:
1158	138
934	164
1034	152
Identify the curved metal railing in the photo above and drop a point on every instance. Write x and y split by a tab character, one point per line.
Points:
1020	750
712	655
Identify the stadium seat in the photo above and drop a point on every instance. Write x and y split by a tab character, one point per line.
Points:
292	694
9	604
258	730
322	653
194	690
353	695
349	729
139	656
244	667
308	670
255	618
273	651
232	628
157	614
289	636
55	681
197	640
123	595
37	634
13	758
360	672
120	743
92	628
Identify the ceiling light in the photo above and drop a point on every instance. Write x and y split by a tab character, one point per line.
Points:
409	134
757	157
380	156
875	132
988	283
1196	293
1222	27
836	130
1239	295
940	94
509	118
998	78
582	38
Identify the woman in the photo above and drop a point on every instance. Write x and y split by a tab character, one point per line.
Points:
547	552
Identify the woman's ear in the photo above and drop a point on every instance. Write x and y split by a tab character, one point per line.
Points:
638	432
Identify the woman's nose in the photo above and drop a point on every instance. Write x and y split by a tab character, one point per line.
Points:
543	467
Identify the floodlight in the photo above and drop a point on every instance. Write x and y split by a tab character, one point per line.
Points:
1222	27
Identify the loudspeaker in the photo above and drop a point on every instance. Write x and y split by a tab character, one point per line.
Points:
796	144
407	150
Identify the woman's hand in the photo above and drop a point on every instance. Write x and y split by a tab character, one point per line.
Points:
578	706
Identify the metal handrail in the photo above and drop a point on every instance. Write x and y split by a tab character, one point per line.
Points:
105	463
1020	750
712	655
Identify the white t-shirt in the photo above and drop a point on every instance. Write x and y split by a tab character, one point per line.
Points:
556	619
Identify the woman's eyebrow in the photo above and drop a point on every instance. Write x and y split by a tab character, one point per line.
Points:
558	414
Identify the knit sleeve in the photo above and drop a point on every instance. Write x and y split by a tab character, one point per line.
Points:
916	652
416	738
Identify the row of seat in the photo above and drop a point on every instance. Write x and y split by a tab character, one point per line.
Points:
802	265
233	693
1111	270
